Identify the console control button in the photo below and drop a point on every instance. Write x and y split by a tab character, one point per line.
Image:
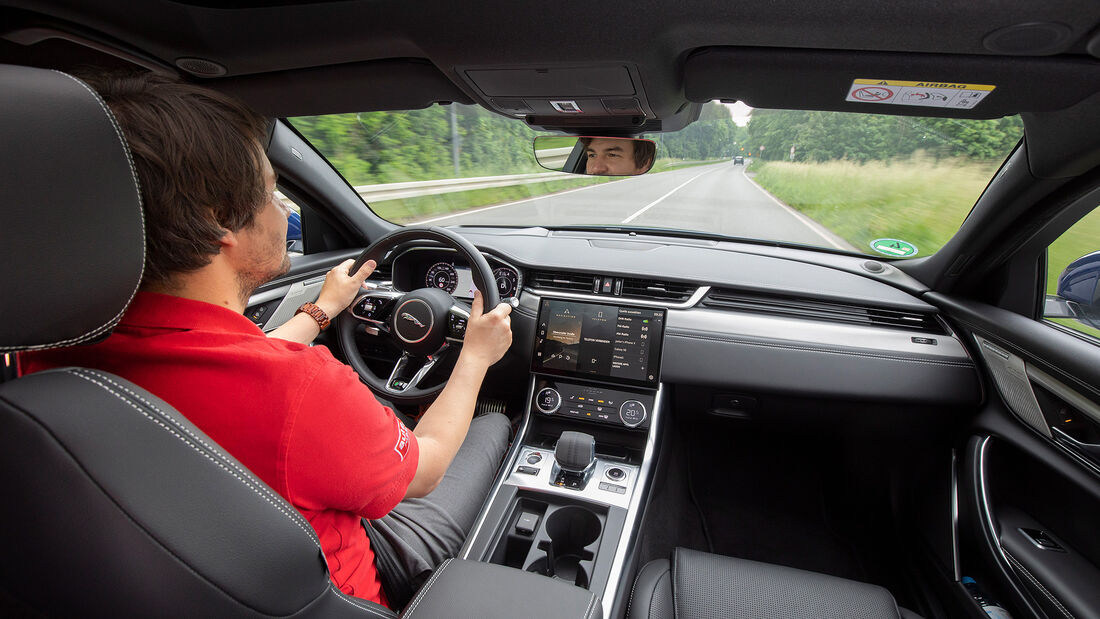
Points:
527	470
527	523
548	400
615	474
534	458
632	413
617	489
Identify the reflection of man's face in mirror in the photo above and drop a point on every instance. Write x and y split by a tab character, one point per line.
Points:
611	157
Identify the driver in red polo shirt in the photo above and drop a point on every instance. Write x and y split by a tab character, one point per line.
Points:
294	415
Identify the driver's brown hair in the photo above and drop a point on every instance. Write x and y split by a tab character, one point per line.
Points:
645	151
198	158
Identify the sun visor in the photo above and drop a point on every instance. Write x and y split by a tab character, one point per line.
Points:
889	83
391	84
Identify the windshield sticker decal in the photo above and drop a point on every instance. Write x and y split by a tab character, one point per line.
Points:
894	247
922	94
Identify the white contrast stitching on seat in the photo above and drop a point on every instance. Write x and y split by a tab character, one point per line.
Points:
350	600
295	515
633	588
424	589
588	612
242	479
1038	585
96	332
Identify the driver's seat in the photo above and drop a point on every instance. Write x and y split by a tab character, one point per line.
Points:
114	504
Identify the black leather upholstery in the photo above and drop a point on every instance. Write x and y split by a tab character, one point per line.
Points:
651	597
461	588
71	223
705	585
114	504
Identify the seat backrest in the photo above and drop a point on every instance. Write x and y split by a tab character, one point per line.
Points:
115	504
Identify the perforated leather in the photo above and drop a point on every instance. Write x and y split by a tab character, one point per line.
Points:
705	585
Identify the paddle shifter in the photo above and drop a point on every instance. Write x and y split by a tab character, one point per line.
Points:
575	455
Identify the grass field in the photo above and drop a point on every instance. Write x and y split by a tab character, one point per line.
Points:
919	200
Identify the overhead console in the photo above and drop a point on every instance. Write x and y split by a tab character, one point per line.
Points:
579	97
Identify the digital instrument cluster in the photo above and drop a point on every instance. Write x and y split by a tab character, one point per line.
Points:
445	270
457	280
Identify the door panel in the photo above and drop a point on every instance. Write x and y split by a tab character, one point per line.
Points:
1030	503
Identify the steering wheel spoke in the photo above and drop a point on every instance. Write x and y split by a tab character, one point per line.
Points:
375	305
458	316
410	370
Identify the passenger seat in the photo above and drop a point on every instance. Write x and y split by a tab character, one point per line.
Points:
700	585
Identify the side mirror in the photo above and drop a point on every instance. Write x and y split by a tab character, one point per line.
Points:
595	155
1078	291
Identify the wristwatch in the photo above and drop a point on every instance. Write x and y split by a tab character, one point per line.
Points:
316	313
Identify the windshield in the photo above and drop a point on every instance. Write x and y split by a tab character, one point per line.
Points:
888	186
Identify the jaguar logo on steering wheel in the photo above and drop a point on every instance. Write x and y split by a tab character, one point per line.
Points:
413	319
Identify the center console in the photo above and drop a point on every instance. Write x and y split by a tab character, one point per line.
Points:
568	502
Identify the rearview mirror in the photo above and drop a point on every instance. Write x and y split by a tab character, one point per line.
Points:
595	155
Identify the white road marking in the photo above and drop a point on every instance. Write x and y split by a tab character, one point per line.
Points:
658	200
496	206
809	223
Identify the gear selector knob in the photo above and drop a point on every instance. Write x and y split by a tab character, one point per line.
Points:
575	451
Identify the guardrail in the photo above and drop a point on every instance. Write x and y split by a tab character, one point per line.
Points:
416	189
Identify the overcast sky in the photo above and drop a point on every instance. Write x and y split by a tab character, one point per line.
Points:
740	112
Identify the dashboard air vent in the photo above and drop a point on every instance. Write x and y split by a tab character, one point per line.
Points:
383	273
831	311
556	280
657	290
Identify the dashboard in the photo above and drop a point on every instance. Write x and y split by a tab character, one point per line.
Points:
735	318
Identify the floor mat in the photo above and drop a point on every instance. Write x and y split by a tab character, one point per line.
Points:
780	501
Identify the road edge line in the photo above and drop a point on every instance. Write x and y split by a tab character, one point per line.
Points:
809	223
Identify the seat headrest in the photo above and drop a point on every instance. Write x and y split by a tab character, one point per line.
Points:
71	224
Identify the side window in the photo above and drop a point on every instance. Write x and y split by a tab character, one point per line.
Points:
1073	278
294	225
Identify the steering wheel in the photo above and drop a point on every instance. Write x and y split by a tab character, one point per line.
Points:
425	324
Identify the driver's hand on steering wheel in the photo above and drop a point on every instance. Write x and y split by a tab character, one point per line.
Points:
488	334
341	288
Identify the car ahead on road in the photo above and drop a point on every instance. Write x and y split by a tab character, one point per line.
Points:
863	362
738	160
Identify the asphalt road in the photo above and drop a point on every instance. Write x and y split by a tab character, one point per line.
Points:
712	198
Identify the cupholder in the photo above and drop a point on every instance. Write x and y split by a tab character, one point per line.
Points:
570	530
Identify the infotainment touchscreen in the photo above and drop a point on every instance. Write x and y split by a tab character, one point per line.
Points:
591	340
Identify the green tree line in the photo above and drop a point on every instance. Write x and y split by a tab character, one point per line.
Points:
390	147
714	135
824	136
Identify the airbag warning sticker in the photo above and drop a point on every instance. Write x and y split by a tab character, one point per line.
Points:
924	94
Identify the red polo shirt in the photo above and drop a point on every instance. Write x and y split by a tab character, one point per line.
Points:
295	416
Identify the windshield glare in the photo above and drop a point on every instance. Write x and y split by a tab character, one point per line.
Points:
887	186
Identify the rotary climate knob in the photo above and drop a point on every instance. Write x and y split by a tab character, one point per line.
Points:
632	413
548	400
